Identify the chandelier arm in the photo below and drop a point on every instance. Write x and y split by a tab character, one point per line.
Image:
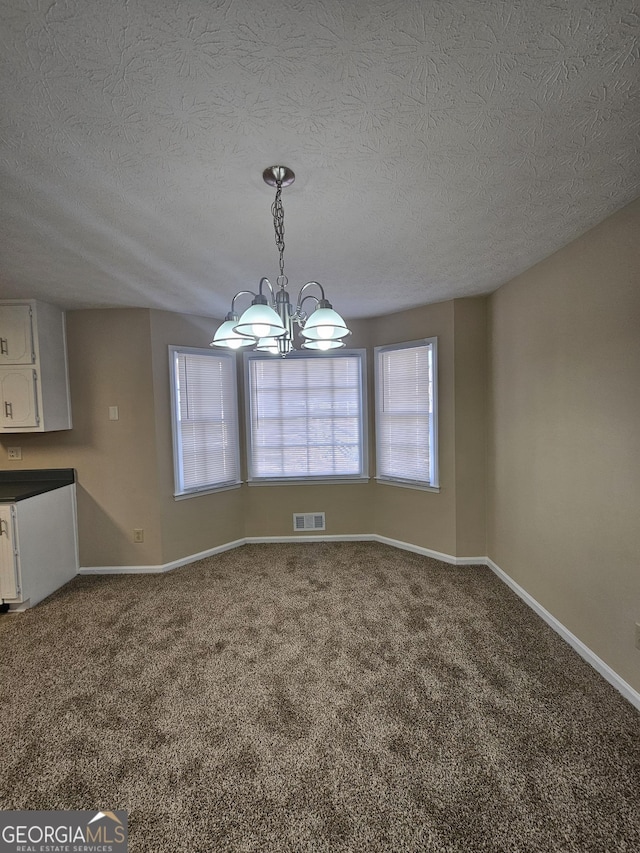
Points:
240	293
300	316
265	280
302	290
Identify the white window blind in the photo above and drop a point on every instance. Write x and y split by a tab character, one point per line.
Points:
205	419
406	416
305	416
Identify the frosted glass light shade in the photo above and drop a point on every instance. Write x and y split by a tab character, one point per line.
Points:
225	336
260	321
322	345
268	345
325	324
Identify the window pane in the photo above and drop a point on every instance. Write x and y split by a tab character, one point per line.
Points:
405	412
305	417
205	420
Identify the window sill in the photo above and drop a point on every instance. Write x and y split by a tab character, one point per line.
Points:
181	496
407	485
310	481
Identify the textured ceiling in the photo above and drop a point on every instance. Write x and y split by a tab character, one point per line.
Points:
439	147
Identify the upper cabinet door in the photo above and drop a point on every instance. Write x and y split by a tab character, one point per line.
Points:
18	398
16	335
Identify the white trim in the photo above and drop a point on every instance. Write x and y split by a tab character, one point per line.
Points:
21	607
363	476
584	651
428	552
625	689
309	481
298	537
434	472
227	358
305	537
159	569
407	484
209	490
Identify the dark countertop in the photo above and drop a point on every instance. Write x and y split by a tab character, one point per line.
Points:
19	485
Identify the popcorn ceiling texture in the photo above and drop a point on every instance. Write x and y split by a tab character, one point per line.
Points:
440	148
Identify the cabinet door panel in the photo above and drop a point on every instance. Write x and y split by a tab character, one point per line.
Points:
16	335
8	563
18	397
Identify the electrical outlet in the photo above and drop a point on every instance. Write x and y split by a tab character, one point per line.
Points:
138	535
637	635
14	453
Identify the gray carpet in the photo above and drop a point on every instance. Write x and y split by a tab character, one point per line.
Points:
333	697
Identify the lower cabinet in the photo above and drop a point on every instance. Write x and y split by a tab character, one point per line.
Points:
38	546
9	572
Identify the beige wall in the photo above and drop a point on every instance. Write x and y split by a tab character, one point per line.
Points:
268	510
423	518
109	365
125	467
564	446
199	523
470	384
420	518
453	520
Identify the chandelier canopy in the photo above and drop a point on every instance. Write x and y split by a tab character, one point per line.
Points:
268	324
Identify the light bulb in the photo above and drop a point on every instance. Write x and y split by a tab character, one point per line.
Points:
324	331
267	345
235	343
260	330
325	345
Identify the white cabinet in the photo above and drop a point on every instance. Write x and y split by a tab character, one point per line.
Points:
34	384
9	576
38	546
16	334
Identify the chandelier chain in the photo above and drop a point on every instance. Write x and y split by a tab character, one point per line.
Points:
278	226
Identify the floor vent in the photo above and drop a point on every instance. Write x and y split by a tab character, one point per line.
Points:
308	521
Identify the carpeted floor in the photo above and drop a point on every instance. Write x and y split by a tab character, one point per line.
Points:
333	697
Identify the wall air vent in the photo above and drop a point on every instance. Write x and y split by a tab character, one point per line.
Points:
308	521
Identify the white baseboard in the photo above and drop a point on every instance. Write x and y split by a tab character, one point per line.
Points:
584	651
159	569
301	538
427	552
297	538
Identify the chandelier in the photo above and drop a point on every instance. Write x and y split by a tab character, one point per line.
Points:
268	324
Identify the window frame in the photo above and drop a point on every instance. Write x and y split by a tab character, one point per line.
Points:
363	476
433	485
180	493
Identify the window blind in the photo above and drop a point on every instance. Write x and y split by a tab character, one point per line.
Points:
405	413
305	417
205	420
